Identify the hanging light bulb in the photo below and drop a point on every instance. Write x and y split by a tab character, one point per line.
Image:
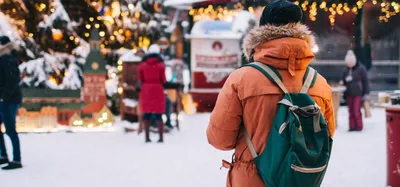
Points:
102	33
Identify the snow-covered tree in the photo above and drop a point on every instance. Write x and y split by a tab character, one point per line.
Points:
54	34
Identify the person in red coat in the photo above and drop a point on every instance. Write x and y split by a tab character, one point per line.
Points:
151	77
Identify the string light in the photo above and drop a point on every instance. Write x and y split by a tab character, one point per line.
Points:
88	26
359	4
102	33
322	5
120	90
313	11
304	5
355	10
42	6
137	14
251	9
219	13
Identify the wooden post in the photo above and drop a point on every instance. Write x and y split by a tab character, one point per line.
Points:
363	46
398	66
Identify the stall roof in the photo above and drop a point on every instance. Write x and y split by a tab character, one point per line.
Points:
213	29
180	2
130	57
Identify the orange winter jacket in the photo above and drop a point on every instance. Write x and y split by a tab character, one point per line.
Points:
249	95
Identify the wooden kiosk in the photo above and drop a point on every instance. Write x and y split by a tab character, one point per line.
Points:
129	109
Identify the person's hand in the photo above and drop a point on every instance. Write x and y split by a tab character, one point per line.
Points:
341	83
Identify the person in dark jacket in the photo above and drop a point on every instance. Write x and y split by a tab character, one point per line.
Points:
10	99
355	78
151	77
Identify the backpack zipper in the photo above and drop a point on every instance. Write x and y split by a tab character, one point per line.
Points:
307	170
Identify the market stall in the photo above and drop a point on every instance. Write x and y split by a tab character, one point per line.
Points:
129	97
220	54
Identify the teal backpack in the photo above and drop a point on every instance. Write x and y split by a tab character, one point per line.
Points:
298	147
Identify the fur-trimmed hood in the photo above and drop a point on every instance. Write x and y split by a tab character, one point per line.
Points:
284	47
8	48
152	58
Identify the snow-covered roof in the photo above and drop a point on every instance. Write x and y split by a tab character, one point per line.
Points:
180	2
130	57
130	102
242	22
213	30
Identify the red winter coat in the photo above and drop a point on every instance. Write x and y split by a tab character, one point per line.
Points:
151	74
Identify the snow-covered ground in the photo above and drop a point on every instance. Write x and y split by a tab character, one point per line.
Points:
116	159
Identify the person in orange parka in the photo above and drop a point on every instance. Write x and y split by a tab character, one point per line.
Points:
250	97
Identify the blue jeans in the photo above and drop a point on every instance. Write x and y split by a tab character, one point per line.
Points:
8	114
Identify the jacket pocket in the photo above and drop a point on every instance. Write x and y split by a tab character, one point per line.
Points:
307	170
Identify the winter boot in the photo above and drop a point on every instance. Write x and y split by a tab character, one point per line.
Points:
13	165
147	130
160	125
4	160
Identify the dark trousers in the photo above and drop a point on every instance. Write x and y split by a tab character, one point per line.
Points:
151	116
168	108
354	103
8	114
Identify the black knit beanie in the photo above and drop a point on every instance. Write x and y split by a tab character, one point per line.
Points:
281	12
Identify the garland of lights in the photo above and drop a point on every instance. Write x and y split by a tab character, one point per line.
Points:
388	9
137	13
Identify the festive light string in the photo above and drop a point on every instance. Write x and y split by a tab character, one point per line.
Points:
116	15
388	9
220	13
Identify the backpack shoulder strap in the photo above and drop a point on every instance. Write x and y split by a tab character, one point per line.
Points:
250	144
309	79
270	73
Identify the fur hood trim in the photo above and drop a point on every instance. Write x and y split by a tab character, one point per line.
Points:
267	33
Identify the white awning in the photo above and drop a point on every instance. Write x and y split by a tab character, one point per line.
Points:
181	2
